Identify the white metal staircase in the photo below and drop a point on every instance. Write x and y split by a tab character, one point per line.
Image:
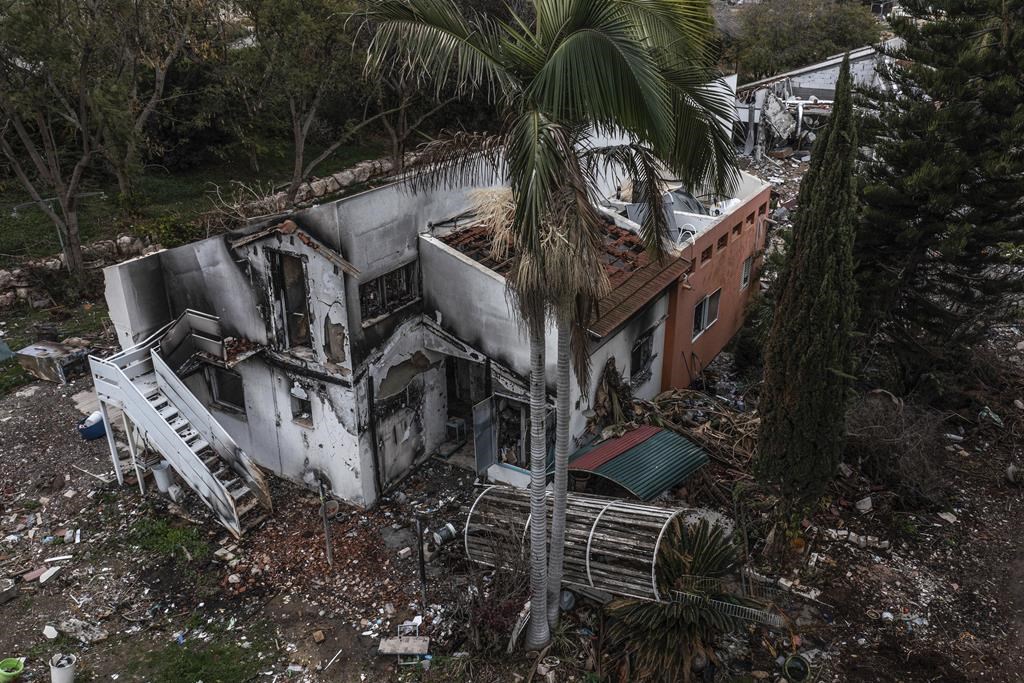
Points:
143	382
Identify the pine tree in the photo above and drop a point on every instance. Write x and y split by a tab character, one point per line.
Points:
939	241
807	357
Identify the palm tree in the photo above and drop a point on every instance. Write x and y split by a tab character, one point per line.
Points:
567	75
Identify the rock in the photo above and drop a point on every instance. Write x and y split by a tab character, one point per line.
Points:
224	555
319	637
1013	474
864	505
887	616
234	578
1020	346
1019	404
760	675
405	553
50	632
34	574
83	630
947	517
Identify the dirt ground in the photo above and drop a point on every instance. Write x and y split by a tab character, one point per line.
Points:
156	592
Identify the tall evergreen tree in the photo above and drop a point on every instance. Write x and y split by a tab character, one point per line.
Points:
942	225
807	358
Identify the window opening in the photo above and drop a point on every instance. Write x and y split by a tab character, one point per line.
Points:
292	298
723	241
641	359
227	388
705	255
705	313
389	292
748	265
302	407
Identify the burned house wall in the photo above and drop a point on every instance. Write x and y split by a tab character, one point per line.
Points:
267	431
619	345
136	298
405	421
206	276
377	232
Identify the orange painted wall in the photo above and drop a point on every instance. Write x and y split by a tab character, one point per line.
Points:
685	356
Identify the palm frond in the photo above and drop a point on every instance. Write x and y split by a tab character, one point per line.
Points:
599	70
456	159
644	170
432	38
678	30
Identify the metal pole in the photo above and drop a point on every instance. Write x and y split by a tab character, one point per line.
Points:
327	526
423	562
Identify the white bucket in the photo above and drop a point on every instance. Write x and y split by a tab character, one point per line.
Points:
162	476
62	668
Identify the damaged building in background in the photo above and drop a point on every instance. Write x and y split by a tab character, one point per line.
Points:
341	345
786	110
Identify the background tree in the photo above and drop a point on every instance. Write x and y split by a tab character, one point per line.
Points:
808	355
579	67
941	193
778	35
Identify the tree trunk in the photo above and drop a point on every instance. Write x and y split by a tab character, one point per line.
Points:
537	633
561	484
73	243
299	140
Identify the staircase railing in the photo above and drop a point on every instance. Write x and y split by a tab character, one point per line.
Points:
170	444
209	428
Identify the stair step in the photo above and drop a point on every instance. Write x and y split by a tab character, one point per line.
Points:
221	471
168	412
211	461
240	493
198	445
188	434
245	507
180	423
151	393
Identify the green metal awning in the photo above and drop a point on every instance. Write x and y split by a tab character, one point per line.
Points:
644	461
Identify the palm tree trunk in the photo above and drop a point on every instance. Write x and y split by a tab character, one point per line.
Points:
561	484
537	633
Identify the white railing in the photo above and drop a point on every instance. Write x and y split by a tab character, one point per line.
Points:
192	409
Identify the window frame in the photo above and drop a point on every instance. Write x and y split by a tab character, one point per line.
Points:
409	272
747	272
213	373
705	323
281	299
639	376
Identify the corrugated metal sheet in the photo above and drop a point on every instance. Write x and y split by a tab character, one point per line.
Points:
644	461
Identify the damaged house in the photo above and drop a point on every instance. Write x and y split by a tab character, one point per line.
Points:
342	344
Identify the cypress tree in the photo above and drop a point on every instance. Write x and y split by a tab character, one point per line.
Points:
940	239
807	356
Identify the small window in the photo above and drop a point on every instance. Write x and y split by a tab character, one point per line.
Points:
302	408
750	219
723	241
748	265
227	388
389	292
292	295
705	313
737	229
641	359
762	210
705	255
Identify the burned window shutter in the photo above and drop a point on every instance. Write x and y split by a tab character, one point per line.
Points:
389	292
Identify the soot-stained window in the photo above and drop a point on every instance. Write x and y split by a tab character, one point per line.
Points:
389	292
292	294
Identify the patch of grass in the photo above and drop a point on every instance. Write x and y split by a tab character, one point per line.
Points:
161	538
217	663
12	376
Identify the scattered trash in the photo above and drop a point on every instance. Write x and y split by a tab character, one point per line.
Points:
62	668
864	505
986	413
50	632
947	517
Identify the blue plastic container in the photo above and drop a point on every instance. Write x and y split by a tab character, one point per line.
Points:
92	431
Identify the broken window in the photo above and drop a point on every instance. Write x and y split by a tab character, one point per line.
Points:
705	255
723	240
737	229
389	292
641	358
705	313
226	388
748	265
302	408
292	295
